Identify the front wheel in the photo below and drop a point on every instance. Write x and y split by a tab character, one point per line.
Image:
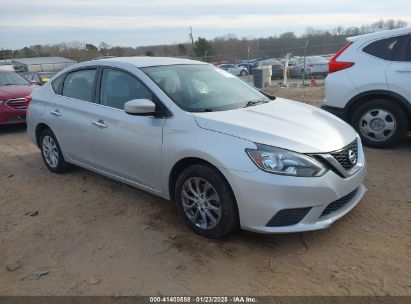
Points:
205	201
380	123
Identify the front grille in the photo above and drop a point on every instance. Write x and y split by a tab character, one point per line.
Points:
334	206
342	155
288	217
16	104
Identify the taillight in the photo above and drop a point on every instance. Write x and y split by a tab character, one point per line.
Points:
335	65
311	65
27	101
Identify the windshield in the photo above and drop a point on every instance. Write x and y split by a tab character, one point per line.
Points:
9	78
203	88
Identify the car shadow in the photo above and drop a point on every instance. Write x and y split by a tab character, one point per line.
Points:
8	129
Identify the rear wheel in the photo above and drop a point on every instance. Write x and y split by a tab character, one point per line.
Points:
205	201
380	123
243	73
51	152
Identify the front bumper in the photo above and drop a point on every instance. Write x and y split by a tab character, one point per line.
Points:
10	117
260	196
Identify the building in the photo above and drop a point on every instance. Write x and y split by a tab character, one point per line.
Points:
41	64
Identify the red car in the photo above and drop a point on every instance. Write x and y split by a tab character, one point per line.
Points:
13	92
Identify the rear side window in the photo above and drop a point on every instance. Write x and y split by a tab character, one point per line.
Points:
79	85
408	49
118	87
56	84
386	49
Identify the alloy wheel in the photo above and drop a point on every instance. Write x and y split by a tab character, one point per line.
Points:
50	151
201	203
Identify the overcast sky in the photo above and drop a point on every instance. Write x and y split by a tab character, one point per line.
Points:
147	22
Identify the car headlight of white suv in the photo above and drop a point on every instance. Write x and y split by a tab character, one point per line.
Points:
279	161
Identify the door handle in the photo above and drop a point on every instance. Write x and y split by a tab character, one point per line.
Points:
100	124
55	113
404	71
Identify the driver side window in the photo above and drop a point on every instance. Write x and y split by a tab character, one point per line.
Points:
118	87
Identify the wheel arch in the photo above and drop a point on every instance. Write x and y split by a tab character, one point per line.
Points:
39	129
359	99
184	163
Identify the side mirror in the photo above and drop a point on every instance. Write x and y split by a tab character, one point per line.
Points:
140	107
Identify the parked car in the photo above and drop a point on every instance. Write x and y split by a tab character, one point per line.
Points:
276	66
369	86
14	89
249	66
38	78
184	130
314	66
234	69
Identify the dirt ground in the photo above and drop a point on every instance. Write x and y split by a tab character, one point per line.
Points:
94	236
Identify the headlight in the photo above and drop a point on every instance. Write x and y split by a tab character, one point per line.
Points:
284	162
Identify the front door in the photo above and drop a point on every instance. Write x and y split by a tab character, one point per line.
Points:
127	146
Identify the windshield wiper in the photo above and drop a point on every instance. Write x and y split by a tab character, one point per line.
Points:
255	102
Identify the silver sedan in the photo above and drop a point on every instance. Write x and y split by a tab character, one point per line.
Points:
225	153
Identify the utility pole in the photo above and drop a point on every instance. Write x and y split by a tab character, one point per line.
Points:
248	63
205	56
287	59
305	58
190	34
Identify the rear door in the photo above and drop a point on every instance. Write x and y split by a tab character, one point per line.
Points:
399	72
124	145
69	115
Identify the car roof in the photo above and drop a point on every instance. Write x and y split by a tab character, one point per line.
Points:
380	34
142	61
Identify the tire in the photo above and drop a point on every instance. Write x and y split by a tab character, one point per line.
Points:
243	73
220	197
380	123
51	152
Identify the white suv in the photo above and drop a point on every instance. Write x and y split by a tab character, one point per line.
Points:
369	86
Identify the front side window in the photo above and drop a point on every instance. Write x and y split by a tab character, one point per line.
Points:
80	84
118	87
386	49
202	88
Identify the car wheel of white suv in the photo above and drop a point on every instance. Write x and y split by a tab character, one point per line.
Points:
206	202
380	123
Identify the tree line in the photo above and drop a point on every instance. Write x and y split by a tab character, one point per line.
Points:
227	47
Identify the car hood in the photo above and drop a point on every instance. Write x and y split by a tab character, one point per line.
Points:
282	123
15	91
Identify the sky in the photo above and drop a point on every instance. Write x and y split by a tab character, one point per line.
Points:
137	23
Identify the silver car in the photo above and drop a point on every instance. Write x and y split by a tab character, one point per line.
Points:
226	154
234	69
314	66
